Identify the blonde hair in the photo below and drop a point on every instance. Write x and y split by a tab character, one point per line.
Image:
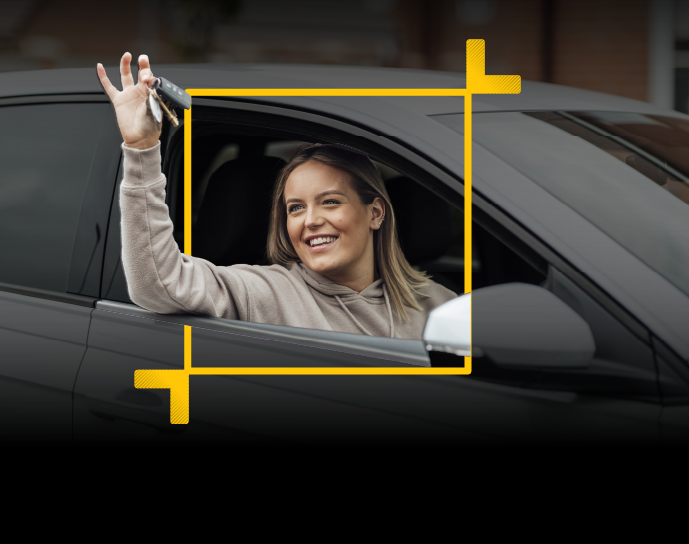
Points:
403	283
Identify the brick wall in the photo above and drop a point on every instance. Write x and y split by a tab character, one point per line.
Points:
602	45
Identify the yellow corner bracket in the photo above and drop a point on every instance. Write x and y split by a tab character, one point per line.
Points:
477	82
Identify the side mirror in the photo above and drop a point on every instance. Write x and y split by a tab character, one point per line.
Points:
448	327
516	325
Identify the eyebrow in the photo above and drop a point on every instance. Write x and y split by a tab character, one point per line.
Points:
319	195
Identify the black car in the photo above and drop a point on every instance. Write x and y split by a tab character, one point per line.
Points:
580	266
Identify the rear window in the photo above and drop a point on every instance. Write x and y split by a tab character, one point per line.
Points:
45	157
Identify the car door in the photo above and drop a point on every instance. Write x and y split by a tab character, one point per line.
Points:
59	160
285	409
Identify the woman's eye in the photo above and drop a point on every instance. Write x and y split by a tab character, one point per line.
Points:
331	201
295	208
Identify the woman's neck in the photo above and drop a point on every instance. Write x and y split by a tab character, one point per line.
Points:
356	282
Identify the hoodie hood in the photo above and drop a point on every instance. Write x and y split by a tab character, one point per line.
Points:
328	287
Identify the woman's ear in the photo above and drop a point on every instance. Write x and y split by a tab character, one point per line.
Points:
377	213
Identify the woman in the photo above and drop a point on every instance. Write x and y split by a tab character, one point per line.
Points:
337	263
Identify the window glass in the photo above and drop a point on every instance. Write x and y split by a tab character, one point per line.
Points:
655	146
637	198
45	158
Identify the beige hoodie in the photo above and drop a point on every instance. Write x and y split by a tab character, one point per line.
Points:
162	279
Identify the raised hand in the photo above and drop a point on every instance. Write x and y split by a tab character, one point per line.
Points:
138	127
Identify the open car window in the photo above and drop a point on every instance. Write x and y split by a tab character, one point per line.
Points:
430	229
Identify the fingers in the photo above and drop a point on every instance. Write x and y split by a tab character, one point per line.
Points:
125	71
145	74
108	87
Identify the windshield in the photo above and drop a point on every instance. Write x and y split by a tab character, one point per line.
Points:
627	173
655	146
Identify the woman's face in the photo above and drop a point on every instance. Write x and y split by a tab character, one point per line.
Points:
330	229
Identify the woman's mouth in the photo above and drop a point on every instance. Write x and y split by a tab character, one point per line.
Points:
321	243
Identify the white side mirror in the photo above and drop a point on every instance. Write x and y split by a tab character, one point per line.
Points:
448	327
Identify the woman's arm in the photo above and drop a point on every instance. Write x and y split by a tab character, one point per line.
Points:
159	277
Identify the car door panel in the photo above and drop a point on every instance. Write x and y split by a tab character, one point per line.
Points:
268	407
43	342
319	409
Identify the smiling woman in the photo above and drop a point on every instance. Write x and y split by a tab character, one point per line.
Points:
336	262
340	232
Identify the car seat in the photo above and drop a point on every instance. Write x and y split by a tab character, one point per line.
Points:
425	229
232	226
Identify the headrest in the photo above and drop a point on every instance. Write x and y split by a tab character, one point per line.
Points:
424	220
232	227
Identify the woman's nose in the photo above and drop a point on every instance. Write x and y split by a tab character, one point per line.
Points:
313	219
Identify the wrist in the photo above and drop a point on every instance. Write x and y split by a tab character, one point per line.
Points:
142	144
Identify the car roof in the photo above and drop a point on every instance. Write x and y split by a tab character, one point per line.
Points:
534	95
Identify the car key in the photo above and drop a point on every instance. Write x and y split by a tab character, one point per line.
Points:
166	95
171	93
158	105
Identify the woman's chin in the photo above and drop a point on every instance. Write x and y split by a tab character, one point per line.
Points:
320	266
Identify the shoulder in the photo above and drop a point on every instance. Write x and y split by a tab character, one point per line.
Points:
255	276
273	272
436	295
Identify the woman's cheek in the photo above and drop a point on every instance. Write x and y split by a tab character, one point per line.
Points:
340	221
293	231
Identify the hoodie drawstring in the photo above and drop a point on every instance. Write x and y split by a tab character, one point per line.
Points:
392	321
360	326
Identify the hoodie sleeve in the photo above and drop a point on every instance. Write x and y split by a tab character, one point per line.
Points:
159	277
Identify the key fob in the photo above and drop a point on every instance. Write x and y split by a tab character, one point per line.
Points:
176	96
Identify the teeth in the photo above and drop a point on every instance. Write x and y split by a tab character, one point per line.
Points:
323	240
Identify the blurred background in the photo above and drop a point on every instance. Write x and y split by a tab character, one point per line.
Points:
633	48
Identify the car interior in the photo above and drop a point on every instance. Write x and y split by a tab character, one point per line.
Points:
232	180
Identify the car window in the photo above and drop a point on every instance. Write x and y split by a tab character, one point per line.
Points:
431	231
627	179
46	153
439	251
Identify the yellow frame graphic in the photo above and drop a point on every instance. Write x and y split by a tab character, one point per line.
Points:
477	82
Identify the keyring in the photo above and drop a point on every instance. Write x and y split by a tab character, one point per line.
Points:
156	103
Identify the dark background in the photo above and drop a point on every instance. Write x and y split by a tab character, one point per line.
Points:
633	48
